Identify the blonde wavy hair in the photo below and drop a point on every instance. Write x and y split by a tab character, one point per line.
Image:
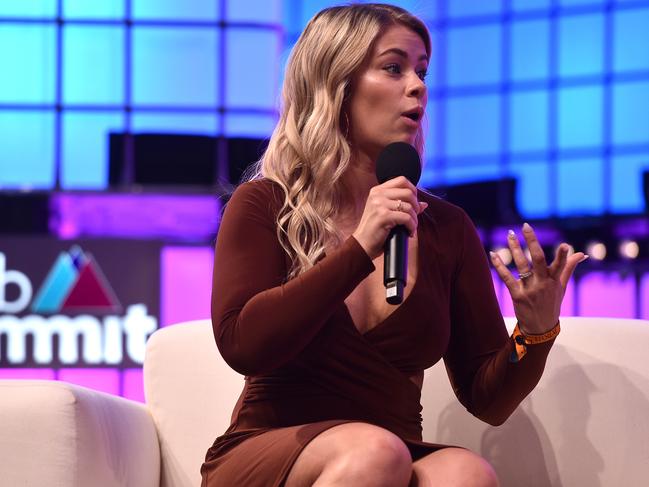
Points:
309	151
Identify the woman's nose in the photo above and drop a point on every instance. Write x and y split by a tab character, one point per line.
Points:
416	86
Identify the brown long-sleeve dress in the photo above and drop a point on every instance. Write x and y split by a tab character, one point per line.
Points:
307	366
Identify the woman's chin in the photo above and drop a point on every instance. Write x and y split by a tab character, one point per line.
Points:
407	138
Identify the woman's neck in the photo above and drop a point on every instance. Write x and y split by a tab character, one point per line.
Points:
357	182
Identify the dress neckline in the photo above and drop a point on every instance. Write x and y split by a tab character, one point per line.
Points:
391	315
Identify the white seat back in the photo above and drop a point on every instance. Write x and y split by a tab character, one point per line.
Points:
585	424
190	392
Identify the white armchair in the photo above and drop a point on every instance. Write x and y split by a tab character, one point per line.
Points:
586	424
56	434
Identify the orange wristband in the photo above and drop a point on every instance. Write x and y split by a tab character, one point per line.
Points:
521	341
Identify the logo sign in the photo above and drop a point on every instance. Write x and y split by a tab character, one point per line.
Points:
75	282
79	315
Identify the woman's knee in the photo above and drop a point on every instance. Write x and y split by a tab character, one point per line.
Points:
376	453
455	467
355	454
476	471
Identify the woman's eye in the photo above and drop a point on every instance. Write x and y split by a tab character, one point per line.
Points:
422	74
393	68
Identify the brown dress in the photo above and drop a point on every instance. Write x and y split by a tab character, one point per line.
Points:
307	366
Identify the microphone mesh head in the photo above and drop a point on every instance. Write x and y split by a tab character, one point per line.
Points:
398	159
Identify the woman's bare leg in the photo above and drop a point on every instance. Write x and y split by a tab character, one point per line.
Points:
453	467
353	454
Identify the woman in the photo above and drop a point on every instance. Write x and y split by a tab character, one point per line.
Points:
333	372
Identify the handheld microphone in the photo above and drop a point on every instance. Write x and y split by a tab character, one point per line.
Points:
397	159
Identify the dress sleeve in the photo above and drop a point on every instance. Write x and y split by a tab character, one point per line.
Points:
261	322
477	359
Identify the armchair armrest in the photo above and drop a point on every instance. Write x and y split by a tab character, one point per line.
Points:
59	434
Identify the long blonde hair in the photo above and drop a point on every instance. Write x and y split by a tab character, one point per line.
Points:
309	152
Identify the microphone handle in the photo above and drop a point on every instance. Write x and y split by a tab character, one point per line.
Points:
395	264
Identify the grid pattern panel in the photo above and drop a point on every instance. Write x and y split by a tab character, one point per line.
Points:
28	73
518	88
571	82
93	68
88	68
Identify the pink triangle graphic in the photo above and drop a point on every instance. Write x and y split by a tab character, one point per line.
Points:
91	290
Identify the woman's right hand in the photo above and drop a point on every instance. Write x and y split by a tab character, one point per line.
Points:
388	205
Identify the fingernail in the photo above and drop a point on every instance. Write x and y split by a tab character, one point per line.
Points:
527	227
492	254
585	257
511	234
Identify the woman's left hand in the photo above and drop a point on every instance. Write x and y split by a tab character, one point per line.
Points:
538	292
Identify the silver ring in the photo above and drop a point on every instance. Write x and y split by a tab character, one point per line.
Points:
398	205
525	275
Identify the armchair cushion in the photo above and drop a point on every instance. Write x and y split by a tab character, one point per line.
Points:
59	434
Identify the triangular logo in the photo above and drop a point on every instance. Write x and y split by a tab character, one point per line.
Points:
75	283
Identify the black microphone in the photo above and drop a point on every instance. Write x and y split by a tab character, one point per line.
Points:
397	159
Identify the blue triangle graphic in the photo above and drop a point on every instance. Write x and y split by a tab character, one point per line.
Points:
56	286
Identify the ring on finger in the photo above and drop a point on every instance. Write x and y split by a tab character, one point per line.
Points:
399	203
524	275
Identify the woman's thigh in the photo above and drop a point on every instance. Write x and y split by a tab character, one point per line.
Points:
453	467
353	454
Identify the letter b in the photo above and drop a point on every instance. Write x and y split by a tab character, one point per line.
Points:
20	280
